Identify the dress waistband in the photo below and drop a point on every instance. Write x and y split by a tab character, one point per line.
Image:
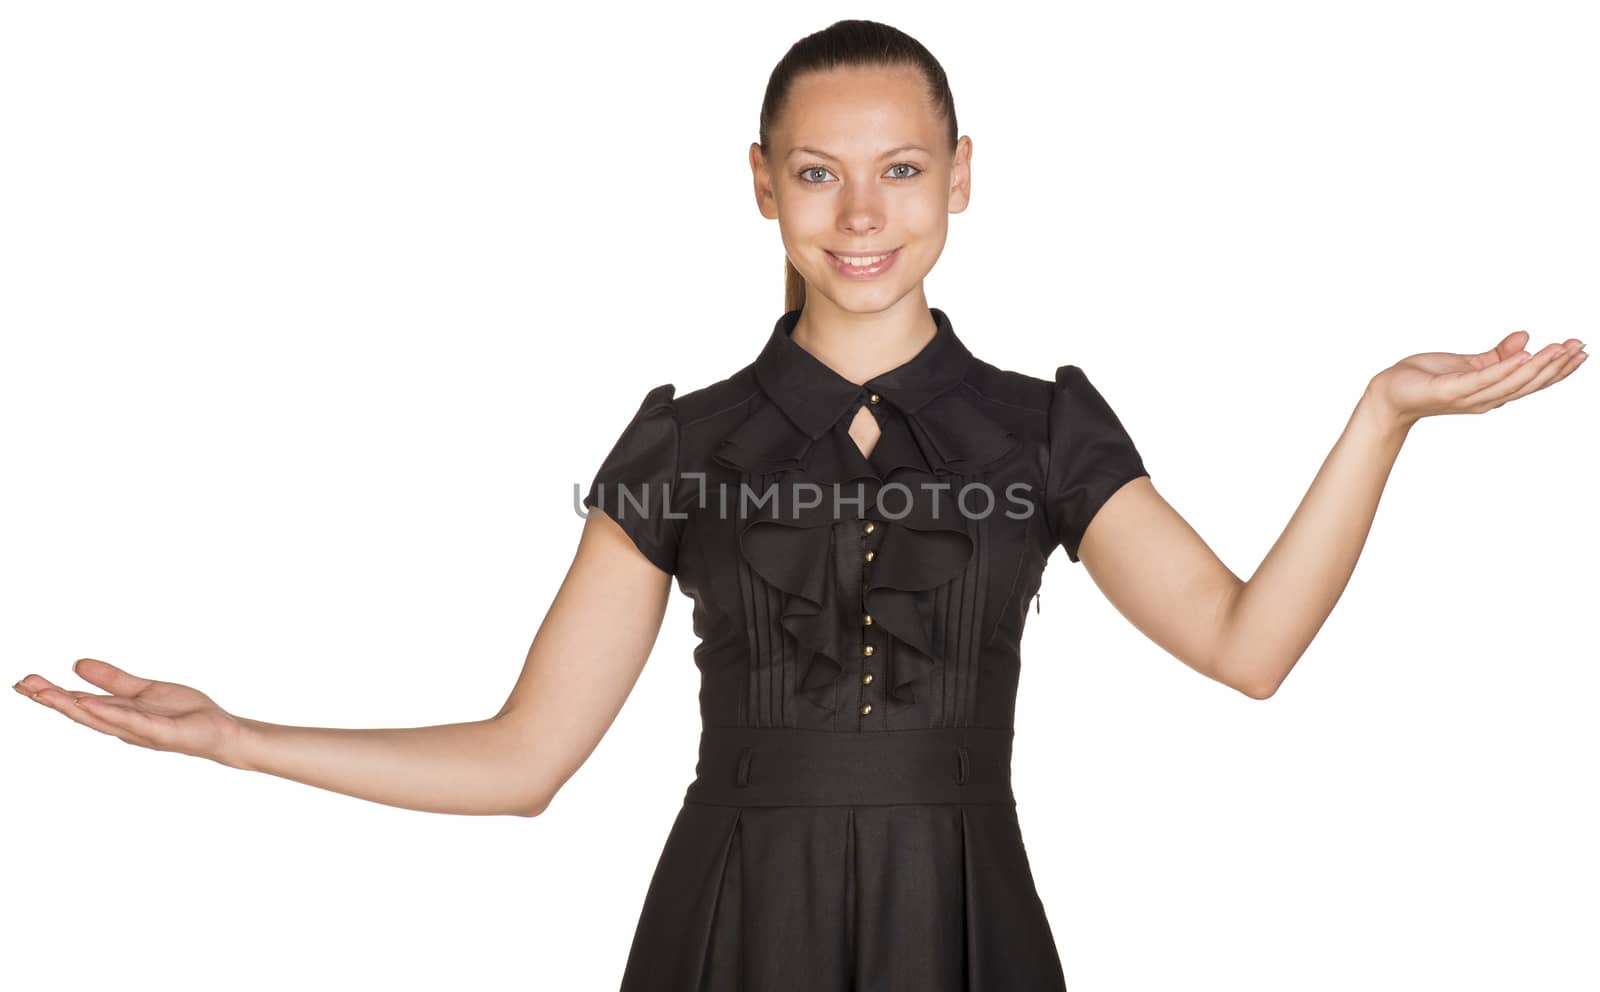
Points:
787	766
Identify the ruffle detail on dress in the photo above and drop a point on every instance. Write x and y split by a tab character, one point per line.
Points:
926	540
794	552
962	438
764	443
925	543
919	552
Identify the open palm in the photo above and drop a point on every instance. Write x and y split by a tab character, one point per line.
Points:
1440	382
162	716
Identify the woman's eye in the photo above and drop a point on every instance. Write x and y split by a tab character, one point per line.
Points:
806	173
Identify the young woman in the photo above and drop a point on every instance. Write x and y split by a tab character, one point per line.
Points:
861	515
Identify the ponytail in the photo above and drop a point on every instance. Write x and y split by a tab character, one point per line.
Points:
794	287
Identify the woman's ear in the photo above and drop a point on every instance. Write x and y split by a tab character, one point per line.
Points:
961	176
766	200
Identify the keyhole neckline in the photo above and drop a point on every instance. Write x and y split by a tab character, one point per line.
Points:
815	396
850	421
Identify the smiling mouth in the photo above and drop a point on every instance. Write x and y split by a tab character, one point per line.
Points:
863	258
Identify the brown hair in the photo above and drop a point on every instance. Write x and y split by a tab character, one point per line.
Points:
848	43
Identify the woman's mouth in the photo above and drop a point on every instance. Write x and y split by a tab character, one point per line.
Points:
863	266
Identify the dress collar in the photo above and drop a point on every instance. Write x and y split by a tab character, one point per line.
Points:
815	397
934	425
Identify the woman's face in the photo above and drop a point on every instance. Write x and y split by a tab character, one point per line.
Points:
861	166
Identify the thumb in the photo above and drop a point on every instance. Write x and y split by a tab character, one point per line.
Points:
110	678
1508	346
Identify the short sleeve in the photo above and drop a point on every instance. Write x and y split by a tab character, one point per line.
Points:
637	483
1091	457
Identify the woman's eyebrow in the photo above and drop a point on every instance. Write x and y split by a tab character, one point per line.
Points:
822	154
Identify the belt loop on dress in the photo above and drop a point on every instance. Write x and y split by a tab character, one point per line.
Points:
742	778
961	764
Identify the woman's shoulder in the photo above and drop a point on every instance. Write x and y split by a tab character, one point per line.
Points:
1067	388
699	418
718	400
1004	387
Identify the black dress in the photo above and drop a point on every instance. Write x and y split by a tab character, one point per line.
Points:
851	824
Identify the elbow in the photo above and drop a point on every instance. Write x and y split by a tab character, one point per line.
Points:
540	800
1244	679
1256	685
1258	691
526	789
535	805
533	809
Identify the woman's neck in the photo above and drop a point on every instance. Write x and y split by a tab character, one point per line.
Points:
859	346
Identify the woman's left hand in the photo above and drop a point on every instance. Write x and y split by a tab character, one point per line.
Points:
1437	382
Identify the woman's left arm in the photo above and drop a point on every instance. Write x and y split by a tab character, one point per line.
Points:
1248	634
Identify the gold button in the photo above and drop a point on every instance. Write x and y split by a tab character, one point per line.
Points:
866	709
869	527
873	398
866	679
871	555
867	620
867	650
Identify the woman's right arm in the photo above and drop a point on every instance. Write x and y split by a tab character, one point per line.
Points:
586	657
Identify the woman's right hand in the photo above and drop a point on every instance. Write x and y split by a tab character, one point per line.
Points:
162	716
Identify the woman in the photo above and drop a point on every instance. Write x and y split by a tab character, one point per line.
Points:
861	515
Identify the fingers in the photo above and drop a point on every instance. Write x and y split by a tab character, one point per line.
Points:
32	685
1557	370
66	703
1553	363
1459	385
109	677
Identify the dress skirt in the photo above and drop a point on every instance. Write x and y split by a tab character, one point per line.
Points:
816	861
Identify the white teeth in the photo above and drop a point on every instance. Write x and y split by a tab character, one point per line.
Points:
862	262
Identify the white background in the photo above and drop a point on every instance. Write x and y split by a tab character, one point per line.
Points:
317	316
